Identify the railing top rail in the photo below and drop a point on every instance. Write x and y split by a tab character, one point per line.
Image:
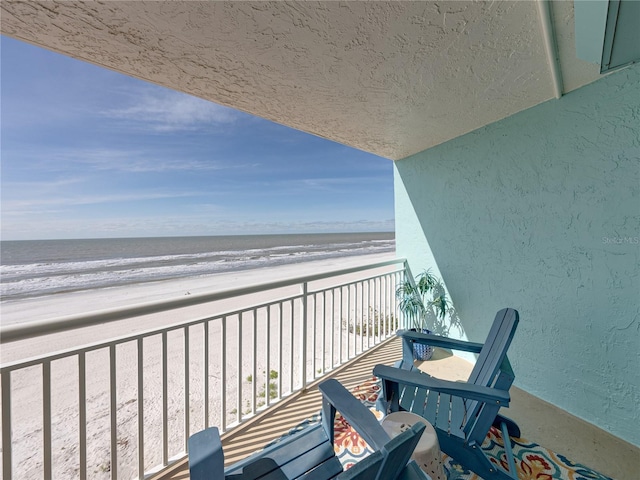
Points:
132	337
23	331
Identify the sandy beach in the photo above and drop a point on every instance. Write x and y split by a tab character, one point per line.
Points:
275	369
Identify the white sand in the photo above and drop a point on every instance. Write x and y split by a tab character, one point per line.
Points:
27	384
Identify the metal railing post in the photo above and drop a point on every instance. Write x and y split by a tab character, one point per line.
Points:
46	418
305	290
223	374
187	401
205	372
140	345
268	358
254	361
239	363
165	401
82	414
6	425
113	409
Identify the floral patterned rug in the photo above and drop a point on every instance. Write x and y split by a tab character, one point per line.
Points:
533	462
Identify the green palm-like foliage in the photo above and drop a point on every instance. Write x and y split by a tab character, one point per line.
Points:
421	298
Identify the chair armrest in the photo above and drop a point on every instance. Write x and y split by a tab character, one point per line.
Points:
438	341
206	458
337	398
458	389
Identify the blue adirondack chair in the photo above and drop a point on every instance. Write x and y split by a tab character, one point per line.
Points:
460	412
309	453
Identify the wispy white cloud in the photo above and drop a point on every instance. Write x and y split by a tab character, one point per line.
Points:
132	161
320	185
168	111
332	182
55	203
40	186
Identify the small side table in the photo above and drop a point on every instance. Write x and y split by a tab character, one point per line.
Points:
427	453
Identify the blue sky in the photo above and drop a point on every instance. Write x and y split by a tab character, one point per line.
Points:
90	153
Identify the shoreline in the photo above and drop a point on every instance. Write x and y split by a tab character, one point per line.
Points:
58	306
48	267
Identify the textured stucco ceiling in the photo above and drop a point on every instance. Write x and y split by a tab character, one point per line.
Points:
392	78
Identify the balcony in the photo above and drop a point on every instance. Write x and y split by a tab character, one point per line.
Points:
124	408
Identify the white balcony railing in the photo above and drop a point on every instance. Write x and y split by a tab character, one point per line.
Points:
125	407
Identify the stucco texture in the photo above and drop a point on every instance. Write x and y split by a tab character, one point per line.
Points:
391	78
541	212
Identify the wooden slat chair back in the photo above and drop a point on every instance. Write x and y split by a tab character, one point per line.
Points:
492	369
462	413
309	453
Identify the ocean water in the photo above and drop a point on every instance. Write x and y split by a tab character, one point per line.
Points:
42	267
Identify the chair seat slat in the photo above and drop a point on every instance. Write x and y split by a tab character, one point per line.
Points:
419	401
407	396
431	407
302	463
327	469
457	415
444	412
282	452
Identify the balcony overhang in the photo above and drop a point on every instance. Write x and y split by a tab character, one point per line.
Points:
392	78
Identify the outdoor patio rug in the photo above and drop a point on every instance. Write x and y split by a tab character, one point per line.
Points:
532	461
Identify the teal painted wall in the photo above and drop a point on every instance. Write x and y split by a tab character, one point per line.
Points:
590	20
541	212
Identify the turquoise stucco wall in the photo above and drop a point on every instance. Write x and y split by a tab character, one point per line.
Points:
541	212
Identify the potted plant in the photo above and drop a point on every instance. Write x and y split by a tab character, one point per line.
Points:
424	302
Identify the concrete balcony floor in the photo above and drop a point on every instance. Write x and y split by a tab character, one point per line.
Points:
539	421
